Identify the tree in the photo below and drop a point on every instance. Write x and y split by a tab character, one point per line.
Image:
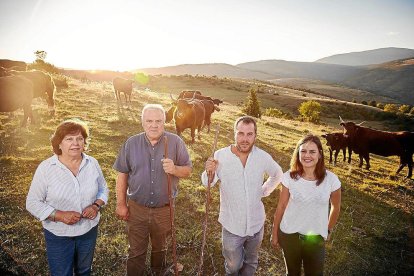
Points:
252	105
310	111
412	111
40	55
373	103
364	102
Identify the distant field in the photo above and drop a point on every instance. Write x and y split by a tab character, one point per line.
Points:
375	234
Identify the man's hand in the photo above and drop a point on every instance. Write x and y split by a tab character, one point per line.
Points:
274	240
67	217
122	212
168	166
211	165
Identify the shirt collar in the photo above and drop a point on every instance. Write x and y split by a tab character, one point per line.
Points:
148	141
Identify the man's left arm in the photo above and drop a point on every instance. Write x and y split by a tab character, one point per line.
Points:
275	176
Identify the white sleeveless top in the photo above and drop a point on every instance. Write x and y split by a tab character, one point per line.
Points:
307	211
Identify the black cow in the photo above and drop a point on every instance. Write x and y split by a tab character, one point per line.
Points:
336	142
364	140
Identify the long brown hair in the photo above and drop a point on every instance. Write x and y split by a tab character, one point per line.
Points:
296	168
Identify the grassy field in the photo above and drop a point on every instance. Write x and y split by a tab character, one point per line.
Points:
374	236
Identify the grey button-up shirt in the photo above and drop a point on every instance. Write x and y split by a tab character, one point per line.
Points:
147	181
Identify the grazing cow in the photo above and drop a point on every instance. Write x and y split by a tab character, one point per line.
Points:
123	85
364	140
337	141
43	86
188	94
16	92
188	113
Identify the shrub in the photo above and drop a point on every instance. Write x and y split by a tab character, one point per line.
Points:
310	111
380	105
364	102
373	103
277	113
404	108
393	108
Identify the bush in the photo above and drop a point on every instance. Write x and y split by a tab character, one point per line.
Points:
364	102
252	105
404	108
310	111
43	66
380	105
277	113
373	103
393	108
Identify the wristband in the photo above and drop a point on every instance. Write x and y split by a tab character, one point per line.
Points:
52	215
97	205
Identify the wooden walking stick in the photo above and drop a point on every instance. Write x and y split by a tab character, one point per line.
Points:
174	245
210	179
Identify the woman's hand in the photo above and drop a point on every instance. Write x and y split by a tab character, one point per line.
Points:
67	217
90	212
274	240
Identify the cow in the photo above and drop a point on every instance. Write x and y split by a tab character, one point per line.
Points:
123	85
188	94
364	140
43	86
16	92
187	113
337	141
209	107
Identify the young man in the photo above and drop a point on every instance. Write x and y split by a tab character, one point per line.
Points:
241	169
142	189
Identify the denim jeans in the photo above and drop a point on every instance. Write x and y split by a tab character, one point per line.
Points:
298	248
241	254
70	255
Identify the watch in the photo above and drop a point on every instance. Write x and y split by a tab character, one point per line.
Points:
97	205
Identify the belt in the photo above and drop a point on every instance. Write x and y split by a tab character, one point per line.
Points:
165	205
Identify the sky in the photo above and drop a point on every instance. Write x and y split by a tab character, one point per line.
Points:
132	34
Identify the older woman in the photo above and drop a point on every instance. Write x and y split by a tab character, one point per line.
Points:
66	194
302	220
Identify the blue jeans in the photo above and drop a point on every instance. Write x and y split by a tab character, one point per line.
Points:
70	255
241	254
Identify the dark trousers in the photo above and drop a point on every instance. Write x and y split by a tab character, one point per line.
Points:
298	248
146	224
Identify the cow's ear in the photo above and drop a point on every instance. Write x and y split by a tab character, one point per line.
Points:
324	135
342	124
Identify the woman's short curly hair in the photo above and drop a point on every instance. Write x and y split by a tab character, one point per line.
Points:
71	126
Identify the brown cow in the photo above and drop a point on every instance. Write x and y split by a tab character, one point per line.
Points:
364	140
337	141
16	92
209	107
43	86
188	94
123	85
187	113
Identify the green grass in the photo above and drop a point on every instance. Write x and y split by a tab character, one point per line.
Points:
374	236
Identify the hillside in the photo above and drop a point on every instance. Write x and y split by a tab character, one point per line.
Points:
213	69
374	236
393	79
369	57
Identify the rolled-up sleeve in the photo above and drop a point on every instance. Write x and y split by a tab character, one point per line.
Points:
35	201
103	191
121	163
275	176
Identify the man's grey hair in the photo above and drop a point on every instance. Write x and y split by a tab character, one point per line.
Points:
152	107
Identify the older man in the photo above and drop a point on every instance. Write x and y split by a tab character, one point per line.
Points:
142	189
241	169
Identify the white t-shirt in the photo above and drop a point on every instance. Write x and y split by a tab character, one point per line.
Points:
307	211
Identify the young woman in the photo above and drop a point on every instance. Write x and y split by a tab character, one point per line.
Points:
303	221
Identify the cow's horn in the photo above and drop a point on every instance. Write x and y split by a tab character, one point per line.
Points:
342	121
360	124
194	93
172	98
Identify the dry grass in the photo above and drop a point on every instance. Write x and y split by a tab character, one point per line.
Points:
374	236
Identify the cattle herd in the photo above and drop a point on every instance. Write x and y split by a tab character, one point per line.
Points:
193	110
363	141
18	87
